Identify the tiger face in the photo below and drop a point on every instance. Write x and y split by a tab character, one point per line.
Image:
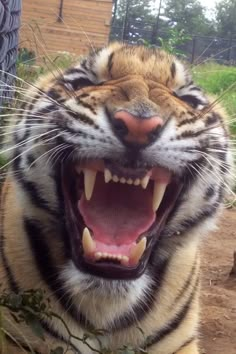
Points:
118	163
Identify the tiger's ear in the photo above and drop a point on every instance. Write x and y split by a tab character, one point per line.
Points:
192	95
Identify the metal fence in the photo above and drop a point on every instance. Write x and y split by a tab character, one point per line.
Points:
9	26
196	49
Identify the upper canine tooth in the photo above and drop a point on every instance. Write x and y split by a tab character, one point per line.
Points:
122	180
107	175
89	182
130	181
88	243
138	250
158	193
144	182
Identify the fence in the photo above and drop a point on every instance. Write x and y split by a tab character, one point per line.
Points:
9	25
74	26
196	49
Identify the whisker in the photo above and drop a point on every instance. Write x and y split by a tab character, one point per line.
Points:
26	141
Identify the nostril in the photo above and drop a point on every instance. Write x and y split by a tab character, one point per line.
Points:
120	127
133	129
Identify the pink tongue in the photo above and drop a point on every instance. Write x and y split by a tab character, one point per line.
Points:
117	213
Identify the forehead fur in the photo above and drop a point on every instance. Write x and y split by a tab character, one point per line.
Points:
119	60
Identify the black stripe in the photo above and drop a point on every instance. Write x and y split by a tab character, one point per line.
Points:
110	63
74	71
85	119
187	121
48	271
31	189
55	95
210	191
30	115
193	101
185	344
174	323
77	83
187	283
12	283
195	88
207	212
212	119
38	95
173	70
145	305
86	105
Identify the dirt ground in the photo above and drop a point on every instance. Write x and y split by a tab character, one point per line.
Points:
219	289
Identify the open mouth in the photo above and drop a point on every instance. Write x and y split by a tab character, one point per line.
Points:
114	215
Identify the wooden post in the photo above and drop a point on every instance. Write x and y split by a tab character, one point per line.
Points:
125	25
156	25
230	47
60	15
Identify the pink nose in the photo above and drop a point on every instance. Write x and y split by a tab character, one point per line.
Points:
138	129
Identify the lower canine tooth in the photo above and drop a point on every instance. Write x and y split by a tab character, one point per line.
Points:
89	182
87	242
158	193
138	250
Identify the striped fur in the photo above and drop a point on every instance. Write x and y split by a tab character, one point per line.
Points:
71	111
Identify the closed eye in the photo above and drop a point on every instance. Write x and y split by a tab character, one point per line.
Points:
79	83
191	100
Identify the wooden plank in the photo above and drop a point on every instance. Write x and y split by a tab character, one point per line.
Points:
84	21
69	32
54	5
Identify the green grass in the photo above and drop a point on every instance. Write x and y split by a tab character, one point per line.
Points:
219	80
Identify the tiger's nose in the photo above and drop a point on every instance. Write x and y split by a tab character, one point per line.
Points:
136	130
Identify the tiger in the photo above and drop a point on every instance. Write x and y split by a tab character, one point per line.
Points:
118	167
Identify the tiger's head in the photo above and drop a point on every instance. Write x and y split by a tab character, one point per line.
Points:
126	158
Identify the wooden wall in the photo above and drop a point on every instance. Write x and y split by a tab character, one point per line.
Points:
85	23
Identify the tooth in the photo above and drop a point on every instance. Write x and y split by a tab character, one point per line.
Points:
98	255
89	182
158	193
137	182
88	243
124	260
107	175
115	178
144	182
130	181
138	250
122	180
